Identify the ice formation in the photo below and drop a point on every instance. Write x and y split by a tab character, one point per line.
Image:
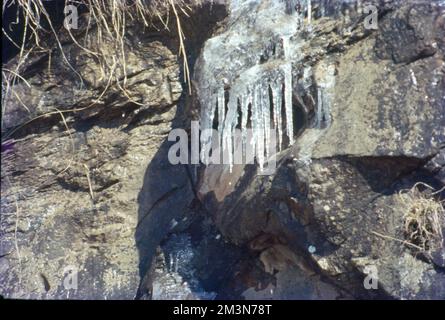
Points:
250	94
247	70
245	78
324	96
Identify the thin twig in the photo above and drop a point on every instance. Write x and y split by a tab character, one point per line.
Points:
87	170
398	240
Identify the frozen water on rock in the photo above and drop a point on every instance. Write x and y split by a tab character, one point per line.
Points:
253	62
252	58
287	70
175	277
324	96
276	87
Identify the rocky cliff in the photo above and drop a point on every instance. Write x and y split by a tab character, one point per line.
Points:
92	208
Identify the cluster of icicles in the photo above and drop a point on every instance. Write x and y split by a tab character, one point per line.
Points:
252	90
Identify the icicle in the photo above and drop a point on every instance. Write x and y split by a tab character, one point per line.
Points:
266	114
257	134
309	12
260	127
221	109
285	42
254	111
327	93
326	114
277	93
207	116
319	107
230	123
287	70
245	100
221	102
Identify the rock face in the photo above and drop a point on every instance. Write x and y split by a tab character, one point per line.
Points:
333	199
88	191
70	192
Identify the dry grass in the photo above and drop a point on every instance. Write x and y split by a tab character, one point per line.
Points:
109	19
424	217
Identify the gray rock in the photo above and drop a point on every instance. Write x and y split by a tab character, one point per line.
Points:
98	204
340	181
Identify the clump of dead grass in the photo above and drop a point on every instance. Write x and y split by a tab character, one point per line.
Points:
424	217
110	19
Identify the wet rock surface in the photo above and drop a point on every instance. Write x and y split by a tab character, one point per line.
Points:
92	191
70	197
336	189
